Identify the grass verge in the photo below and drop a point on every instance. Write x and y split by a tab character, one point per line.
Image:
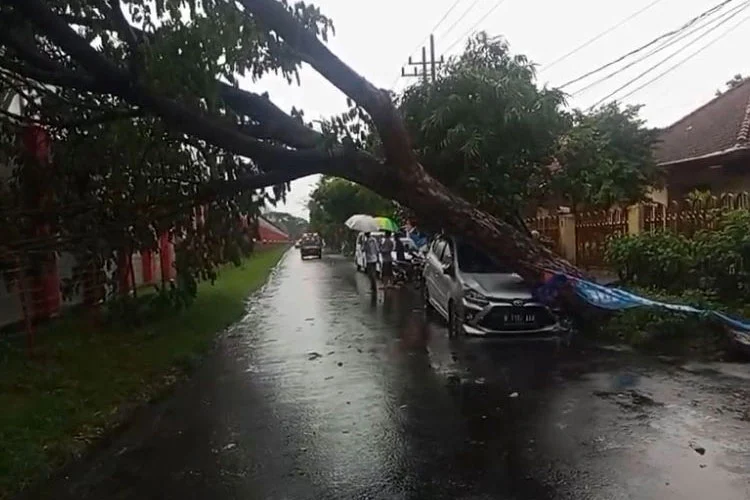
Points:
82	381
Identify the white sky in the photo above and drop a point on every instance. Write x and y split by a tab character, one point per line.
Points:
375	36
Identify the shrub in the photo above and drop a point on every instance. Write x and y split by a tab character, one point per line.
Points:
669	331
663	260
716	261
723	256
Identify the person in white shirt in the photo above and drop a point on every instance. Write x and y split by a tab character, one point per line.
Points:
372	250
386	258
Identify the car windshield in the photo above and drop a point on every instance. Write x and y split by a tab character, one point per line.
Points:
472	260
311	240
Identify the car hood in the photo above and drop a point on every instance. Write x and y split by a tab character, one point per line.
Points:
498	286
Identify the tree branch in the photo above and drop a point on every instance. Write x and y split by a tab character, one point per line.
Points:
123	26
118	81
275	123
58	30
377	103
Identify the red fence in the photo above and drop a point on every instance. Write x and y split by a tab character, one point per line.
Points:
594	230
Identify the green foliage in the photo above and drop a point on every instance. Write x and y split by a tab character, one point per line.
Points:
294	226
93	376
656	259
723	256
484	128
487	131
716	261
120	176
668	331
605	158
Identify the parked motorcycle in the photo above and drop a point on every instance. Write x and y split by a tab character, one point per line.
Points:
409	271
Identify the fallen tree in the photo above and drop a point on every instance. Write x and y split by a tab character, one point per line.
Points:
96	49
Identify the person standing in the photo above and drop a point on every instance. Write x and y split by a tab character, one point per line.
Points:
371	250
386	258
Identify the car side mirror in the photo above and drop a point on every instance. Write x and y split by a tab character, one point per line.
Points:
448	269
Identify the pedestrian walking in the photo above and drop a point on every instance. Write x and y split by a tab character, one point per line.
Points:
371	249
386	259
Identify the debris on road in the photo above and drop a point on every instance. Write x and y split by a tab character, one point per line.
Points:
313	356
700	450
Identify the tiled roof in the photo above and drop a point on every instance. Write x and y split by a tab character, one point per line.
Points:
719	125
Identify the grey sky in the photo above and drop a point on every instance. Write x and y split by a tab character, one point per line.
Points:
375	36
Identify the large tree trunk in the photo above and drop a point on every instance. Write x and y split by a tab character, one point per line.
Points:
436	204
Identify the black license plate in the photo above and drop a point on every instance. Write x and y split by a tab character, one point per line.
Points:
519	318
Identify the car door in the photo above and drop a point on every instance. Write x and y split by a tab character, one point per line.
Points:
434	271
444	282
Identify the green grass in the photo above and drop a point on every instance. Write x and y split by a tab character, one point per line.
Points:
82	380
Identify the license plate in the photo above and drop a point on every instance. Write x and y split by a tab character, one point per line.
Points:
519	318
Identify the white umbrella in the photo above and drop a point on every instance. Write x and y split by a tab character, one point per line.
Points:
364	223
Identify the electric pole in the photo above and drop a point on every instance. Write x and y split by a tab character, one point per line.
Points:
429	66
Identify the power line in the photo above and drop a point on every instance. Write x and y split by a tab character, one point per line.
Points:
437	25
718	21
651	68
498	3
600	35
461	18
686	59
656	40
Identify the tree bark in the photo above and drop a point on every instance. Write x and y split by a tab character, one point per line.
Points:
437	205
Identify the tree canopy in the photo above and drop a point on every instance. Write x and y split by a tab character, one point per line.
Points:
334	200
487	130
605	158
293	225
174	63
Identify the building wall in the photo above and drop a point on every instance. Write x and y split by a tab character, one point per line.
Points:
267	232
721	179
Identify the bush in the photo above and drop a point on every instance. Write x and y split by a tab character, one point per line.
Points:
666	331
723	257
662	260
715	261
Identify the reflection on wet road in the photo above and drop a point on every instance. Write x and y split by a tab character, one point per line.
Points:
322	392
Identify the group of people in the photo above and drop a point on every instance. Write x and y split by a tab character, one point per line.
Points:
382	250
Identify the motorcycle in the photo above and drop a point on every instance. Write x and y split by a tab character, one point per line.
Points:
409	271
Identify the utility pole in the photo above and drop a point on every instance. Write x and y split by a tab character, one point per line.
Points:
429	66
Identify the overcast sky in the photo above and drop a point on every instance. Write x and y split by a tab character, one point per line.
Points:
375	38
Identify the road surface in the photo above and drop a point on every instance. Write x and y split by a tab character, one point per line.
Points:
322	392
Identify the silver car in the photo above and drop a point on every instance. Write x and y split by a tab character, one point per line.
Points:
477	296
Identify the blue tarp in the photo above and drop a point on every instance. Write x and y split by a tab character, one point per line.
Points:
616	299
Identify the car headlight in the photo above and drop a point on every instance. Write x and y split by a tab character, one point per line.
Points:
475	297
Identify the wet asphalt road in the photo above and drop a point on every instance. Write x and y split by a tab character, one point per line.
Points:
321	392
